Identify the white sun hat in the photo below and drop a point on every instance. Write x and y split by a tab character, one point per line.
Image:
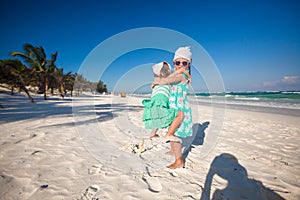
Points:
183	52
157	67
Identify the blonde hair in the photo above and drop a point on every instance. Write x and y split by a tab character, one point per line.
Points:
165	70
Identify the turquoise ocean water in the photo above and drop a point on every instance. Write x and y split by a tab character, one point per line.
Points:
286	98
284	102
280	95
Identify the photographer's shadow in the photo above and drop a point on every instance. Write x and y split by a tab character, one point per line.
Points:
196	139
239	186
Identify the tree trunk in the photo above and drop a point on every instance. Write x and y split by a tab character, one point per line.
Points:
12	90
45	93
27	92
61	91
45	88
23	87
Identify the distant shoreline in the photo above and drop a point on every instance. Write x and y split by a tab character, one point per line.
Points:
253	108
277	102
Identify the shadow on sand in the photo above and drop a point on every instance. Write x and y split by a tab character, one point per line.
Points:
17	108
239	186
196	139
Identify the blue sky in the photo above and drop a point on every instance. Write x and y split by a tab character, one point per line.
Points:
254	44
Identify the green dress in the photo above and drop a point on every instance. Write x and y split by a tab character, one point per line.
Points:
179	101
157	111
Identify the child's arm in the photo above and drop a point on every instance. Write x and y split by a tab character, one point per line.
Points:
176	72
169	80
175	77
180	71
187	74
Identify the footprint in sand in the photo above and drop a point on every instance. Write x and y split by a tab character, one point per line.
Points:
176	172
90	192
95	169
153	183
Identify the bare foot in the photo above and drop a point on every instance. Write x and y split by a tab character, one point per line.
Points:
172	138
177	164
171	153
168	136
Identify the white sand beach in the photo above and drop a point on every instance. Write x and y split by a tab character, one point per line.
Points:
64	149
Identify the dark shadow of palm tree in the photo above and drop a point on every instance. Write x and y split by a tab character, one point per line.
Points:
103	112
239	186
196	139
17	109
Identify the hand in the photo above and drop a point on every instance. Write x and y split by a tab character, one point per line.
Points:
153	85
181	70
189	80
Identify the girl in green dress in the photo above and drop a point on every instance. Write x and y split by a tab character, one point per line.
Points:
181	126
158	113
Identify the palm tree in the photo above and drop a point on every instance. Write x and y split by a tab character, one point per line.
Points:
35	57
56	81
52	74
16	74
6	76
68	82
101	87
79	83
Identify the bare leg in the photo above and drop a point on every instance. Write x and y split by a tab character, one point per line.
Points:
154	133
175	124
171	152
178	156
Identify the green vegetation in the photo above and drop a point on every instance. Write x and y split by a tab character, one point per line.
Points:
83	85
32	69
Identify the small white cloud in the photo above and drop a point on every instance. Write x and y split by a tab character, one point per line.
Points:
291	79
286	82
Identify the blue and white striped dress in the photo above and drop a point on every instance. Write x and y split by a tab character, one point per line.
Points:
157	112
161	89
